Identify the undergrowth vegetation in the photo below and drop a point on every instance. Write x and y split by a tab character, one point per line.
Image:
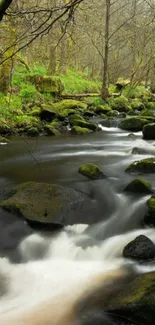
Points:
14	107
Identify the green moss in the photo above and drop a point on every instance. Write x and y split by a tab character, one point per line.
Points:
139	185
112	113
103	116
68	104
142	166
47	84
55	124
84	124
150	105
147	112
120	104
151	204
102	109
79	130
137	104
50	130
91	171
35	112
26	121
75	117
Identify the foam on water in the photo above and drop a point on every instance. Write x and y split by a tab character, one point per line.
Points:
56	265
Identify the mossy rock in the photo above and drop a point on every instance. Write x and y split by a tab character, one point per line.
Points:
122	115
3	140
120	104
102	109
150	105
134	302
139	185
75	117
149	218
133	113
132	124
142	166
147	112
104	116
91	171
36	111
112	114
50	130
122	83
88	114
136	104
32	132
48	84
47	113
68	104
41	202
79	121
56	125
79	130
149	131
141	248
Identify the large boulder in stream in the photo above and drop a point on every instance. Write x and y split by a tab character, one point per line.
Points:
149	131
141	248
43	204
91	171
139	185
134	303
132	124
142	166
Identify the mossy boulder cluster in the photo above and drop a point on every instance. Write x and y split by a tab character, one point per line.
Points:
75	116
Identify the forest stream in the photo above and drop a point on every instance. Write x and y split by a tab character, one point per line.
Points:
38	266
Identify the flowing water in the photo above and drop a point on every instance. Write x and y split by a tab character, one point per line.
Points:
36	267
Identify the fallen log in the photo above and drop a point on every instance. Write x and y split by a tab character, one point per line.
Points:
79	96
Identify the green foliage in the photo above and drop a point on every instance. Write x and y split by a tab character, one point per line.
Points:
28	92
77	82
135	92
10	106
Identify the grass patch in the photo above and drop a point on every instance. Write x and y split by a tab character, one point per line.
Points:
77	82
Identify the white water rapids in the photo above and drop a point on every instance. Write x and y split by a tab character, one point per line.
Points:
55	266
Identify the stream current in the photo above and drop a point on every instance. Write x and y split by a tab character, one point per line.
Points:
36	267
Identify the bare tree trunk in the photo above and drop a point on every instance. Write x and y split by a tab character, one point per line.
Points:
104	92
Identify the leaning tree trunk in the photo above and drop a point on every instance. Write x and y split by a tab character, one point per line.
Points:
104	92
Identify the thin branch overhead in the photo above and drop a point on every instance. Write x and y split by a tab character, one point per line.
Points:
42	21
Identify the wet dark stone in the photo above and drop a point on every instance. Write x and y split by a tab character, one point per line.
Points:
141	248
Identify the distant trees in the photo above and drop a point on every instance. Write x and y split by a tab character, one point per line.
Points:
106	39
